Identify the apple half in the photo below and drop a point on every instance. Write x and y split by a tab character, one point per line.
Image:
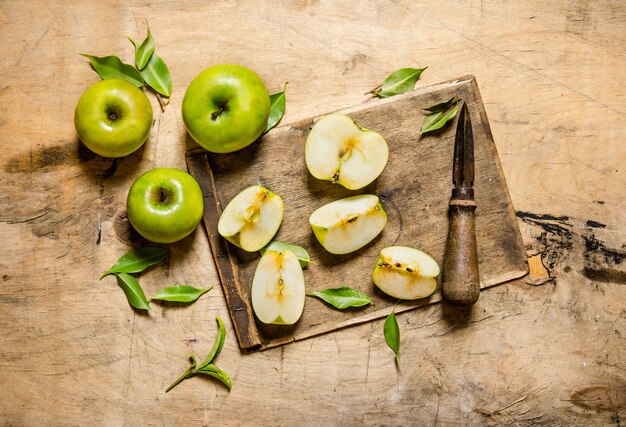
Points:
345	225
340	151
251	218
278	288
406	273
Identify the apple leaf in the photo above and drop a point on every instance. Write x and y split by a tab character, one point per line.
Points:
392	334
440	115
133	291
215	372
342	298
298	251
207	367
218	345
137	260
442	106
157	75
144	51
277	108
111	67
180	293
400	81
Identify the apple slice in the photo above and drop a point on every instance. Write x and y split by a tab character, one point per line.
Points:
340	151
345	225
278	288
251	218
406	273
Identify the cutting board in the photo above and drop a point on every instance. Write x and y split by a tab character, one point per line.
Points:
414	190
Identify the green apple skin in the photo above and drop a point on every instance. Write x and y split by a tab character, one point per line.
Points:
320	233
113	118
165	205
226	108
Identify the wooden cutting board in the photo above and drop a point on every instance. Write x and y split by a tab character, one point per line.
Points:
414	190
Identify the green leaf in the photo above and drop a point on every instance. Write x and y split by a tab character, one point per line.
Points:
144	51
208	368
157	75
180	293
400	81
137	260
215	372
133	291
111	67
218	345
442	106
392	333
277	108
437	120
342	298
298	251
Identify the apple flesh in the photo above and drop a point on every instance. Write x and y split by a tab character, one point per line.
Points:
406	273
345	225
278	290
251	218
340	151
165	205
113	118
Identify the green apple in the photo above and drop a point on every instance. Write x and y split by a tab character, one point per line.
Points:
251	218
345	225
340	151
278	292
405	273
113	118
164	205
226	108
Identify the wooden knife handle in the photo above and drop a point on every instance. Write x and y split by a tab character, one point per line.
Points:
460	278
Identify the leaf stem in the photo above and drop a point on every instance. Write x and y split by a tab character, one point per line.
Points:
161	104
373	91
187	374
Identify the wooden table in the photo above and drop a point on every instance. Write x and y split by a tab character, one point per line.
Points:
544	350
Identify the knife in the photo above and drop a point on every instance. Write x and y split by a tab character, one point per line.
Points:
460	276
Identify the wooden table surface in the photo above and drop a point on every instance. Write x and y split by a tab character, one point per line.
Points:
545	350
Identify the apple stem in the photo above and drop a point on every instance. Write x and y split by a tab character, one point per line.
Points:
162	195
217	112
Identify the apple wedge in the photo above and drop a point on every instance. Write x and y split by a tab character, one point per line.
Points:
251	218
345	225
278	288
340	151
405	273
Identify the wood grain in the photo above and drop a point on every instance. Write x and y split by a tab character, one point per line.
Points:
414	190
545	350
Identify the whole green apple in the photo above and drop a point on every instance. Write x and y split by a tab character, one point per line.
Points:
113	118
165	205
225	108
